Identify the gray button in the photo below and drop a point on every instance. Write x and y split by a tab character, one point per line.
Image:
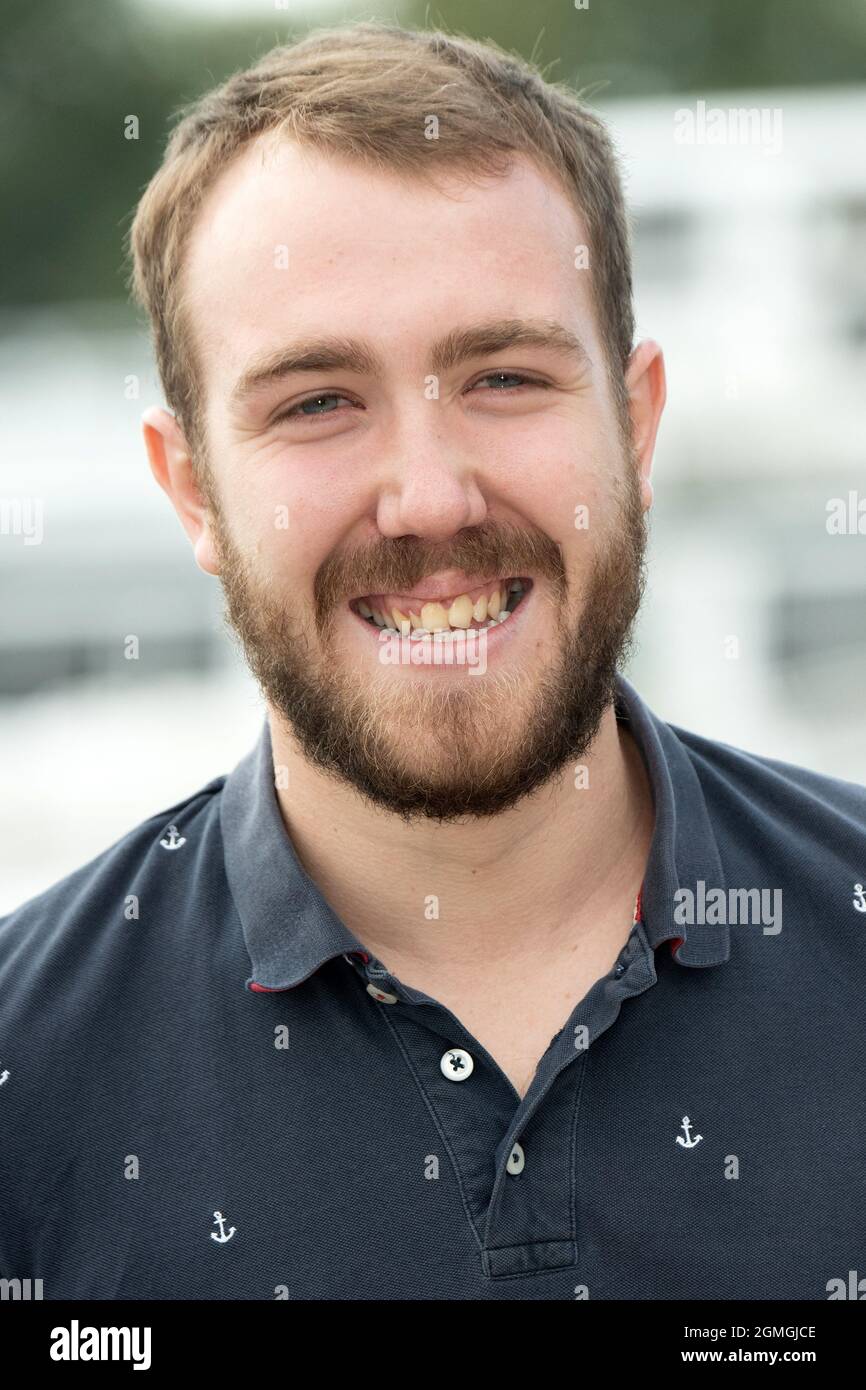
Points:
516	1160
456	1064
381	994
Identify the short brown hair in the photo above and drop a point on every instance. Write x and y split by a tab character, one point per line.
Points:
365	90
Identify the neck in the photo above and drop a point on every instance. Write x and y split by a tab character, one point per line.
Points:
545	871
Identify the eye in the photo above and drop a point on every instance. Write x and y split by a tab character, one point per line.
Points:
299	411
503	386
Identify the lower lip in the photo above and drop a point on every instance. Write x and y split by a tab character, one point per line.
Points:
497	636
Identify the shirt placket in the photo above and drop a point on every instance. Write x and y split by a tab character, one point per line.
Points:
514	1157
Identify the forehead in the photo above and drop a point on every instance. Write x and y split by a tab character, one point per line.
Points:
290	241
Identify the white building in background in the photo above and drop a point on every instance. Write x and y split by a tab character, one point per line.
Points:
750	270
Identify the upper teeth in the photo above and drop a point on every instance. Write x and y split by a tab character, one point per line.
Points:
460	613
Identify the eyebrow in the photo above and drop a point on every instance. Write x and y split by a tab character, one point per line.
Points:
356	355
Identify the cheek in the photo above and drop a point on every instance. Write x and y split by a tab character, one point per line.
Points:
288	516
555	463
583	508
593	486
569	498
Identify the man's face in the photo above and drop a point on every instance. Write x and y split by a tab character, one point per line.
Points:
425	461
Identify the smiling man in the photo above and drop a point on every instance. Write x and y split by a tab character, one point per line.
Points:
413	1002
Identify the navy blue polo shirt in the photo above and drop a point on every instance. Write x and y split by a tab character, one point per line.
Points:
212	1090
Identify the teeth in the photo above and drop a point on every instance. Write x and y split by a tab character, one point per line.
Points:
435	618
460	612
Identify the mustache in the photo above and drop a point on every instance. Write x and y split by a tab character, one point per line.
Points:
389	566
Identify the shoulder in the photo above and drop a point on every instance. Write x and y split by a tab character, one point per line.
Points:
51	939
778	801
787	786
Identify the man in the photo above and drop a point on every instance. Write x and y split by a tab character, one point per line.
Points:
474	979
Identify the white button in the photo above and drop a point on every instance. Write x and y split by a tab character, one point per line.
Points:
516	1160
381	994
456	1064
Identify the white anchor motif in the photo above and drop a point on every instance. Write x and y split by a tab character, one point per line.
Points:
173	840
688	1142
859	899
4	1077
222	1237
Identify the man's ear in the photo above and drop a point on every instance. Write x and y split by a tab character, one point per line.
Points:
647	389
171	465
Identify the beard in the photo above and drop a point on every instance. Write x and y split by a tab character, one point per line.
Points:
439	748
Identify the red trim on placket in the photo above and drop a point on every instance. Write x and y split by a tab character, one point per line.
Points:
263	989
675	942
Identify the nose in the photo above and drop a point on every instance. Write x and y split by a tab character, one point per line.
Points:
431	490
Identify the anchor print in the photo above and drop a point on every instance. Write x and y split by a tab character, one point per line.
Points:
859	899
219	1219
4	1077
688	1142
173	840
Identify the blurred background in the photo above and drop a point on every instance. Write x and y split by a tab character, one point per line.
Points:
750	270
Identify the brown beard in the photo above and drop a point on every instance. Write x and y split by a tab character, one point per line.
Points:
485	742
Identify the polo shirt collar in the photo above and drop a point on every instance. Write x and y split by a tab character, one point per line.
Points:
290	930
684	848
